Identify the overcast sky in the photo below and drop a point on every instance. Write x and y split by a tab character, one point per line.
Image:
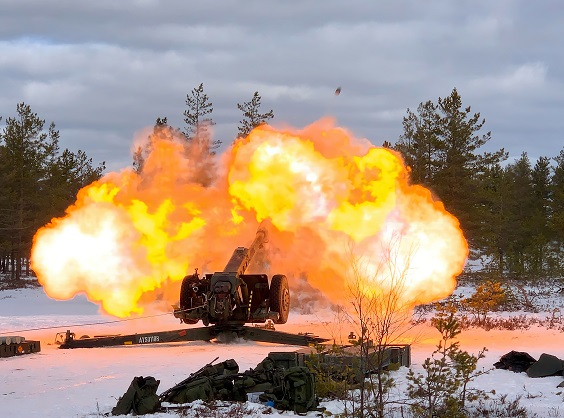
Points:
104	70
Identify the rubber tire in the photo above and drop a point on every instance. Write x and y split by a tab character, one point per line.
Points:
280	297
185	291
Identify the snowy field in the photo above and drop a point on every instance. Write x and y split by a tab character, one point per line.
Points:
87	382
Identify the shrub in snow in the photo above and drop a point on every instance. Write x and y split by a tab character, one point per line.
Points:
442	388
488	297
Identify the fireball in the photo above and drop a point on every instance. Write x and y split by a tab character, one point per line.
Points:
131	237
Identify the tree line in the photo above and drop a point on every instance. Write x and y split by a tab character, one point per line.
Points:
198	121
37	183
512	213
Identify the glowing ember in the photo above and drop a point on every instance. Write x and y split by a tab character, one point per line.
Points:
129	239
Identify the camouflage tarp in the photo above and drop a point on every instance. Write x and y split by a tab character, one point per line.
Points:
516	361
547	365
140	398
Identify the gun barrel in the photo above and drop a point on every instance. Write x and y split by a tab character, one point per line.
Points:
241	257
260	238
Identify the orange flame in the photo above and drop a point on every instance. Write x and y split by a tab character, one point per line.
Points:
130	238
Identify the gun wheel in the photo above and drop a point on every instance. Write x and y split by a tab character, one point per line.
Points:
186	296
280	298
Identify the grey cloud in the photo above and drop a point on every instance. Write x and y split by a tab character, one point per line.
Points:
104	70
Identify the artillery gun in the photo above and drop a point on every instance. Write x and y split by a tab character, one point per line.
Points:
232	297
224	301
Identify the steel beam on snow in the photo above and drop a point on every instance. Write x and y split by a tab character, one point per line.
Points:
225	333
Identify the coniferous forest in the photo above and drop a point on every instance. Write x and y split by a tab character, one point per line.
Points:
38	181
512	212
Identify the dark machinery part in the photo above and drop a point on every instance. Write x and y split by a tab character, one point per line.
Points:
348	357
17	346
233	297
280	297
224	333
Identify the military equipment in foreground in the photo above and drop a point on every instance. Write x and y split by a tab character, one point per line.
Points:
224	301
232	297
283	380
519	361
15	345
291	388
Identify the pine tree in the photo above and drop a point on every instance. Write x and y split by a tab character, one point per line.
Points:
440	143
252	116
69	173
496	236
522	207
556	222
419	144
4	204
36	183
460	167
139	155
198	119
540	232
442	388
28	152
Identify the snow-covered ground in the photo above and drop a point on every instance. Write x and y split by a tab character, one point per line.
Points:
87	382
